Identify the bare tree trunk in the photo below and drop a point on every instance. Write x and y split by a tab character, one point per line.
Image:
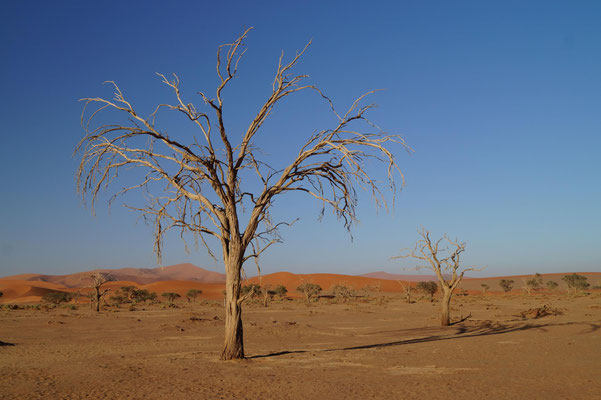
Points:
234	342
98	299
446	308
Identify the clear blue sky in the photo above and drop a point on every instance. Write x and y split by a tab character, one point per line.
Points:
501	102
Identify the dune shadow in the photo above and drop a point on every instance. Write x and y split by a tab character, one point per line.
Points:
484	328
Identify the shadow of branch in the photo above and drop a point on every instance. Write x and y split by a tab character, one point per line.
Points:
464	331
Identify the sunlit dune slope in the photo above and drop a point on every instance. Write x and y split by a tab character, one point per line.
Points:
23	291
326	281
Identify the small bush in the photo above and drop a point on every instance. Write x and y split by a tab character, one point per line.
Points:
309	290
280	291
57	297
533	284
143	295
576	282
342	292
193	294
428	288
251	291
171	296
118	299
506	284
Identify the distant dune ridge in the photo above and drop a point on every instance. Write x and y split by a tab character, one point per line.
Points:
400	277
180	278
178	272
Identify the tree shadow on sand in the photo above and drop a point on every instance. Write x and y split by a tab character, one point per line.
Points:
460	331
5	344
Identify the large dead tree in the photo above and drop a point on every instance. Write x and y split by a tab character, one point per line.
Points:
215	184
444	262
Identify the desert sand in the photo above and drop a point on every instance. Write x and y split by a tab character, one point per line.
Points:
368	348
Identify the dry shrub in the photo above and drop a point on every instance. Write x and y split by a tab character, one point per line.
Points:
540	312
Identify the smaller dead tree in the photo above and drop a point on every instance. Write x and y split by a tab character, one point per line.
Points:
98	280
407	289
442	261
374	292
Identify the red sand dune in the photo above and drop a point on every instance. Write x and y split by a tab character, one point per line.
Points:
400	277
18	290
181	272
213	291
292	281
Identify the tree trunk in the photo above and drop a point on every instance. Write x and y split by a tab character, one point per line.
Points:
234	342
98	299
446	308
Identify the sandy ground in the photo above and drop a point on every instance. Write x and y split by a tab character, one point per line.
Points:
358	350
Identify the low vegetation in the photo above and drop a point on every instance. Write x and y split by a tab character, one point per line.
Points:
342	292
429	289
533	284
171	296
266	294
576	283
280	291
57	297
250	291
193	294
506	284
310	291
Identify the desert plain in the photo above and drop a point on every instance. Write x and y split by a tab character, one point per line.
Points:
373	346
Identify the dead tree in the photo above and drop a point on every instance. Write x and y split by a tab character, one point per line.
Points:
406	291
99	279
216	184
441	261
